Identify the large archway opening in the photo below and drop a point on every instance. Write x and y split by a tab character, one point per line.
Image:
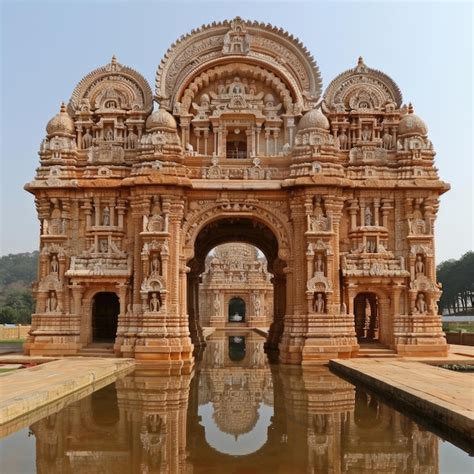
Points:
105	313
223	305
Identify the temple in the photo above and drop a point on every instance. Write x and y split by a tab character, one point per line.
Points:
237	144
236	288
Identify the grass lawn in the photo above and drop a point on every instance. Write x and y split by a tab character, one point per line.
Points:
12	341
456	327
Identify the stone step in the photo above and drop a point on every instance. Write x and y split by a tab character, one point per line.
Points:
107	354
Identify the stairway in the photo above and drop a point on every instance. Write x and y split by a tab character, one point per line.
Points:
375	350
102	349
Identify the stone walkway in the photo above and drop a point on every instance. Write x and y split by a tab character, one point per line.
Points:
442	395
29	389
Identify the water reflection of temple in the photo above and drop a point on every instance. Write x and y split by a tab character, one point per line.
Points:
289	419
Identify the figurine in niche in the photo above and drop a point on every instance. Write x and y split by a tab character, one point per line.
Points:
204	108
155	223
387	140
366	134
154	303
106	216
343	308
55	225
270	109
257	304
419	265
109	135
420	305
318	305
54	264
368	216
343	141
86	140
319	264
155	264
104	246
318	222
217	305
367	314
132	139
52	302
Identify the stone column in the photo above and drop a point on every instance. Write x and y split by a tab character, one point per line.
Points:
291	345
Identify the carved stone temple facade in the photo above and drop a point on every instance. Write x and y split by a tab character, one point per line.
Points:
238	143
236	288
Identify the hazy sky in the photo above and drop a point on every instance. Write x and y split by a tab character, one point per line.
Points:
47	47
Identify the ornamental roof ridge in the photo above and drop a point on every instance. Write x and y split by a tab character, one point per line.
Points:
249	23
112	67
362	68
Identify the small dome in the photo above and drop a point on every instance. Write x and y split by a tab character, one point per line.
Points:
411	124
314	119
160	119
61	123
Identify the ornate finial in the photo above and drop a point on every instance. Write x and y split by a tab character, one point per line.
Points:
62	109
361	67
410	108
113	65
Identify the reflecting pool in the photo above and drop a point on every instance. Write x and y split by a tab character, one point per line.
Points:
234	413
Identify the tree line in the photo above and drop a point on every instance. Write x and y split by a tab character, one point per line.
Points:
457	279
17	273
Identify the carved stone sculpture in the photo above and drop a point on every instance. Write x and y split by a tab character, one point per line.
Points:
155	304
318	305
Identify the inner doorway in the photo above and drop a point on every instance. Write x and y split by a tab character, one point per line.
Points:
236	311
105	312
366	314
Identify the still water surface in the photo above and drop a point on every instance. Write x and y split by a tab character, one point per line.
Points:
235	413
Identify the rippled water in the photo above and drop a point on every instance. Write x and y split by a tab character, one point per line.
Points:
235	413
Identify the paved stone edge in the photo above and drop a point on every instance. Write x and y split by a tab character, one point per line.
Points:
442	415
18	406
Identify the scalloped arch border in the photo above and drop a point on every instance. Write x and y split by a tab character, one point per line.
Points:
379	76
312	93
108	70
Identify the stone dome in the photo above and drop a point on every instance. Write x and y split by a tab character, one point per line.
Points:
411	124
61	123
314	119
161	119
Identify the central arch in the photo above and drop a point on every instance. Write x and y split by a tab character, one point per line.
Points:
241	229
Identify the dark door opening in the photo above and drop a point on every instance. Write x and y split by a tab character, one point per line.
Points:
236	310
366	314
105	312
236	348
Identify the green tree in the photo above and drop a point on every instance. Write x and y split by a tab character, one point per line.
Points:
457	278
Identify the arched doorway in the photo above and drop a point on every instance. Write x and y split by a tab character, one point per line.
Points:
366	314
105	312
236	310
236	230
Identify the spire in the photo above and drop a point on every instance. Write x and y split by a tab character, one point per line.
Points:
62	109
410	108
